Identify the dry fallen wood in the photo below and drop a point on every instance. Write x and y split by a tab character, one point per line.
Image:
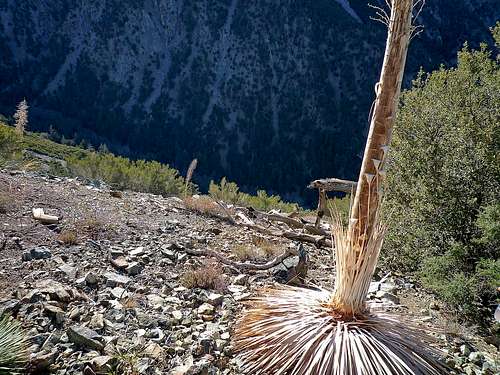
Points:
39	215
319	241
333	184
293	223
242	265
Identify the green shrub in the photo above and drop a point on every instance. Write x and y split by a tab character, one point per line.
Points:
229	192
443	183
10	144
122	173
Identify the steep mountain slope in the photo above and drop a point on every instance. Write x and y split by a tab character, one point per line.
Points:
268	93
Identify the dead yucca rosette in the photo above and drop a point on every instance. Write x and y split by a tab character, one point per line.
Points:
296	331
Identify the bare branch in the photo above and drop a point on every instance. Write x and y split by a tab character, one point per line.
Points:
243	265
382	15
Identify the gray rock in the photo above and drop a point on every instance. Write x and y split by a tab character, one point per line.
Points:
56	291
374	287
134	268
476	357
155	300
168	251
103	364
215	299
119	293
114	279
37	253
137	251
85	337
91	278
205	309
119	263
465	350
68	270
240	280
97	321
387	297
55	312
205	343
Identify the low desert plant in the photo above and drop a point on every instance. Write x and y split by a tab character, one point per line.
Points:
205	206
122	173
13	347
68	237
229	192
259	250
207	276
91	227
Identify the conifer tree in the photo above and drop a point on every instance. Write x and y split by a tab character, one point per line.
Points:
21	117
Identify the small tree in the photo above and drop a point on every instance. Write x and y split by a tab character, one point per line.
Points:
21	117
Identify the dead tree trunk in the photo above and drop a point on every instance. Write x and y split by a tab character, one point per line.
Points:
369	187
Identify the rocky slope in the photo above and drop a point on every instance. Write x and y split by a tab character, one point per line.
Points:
268	93
114	295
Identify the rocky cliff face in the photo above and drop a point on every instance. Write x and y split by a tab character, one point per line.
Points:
270	93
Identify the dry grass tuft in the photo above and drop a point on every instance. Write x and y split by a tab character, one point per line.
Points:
208	276
261	249
205	206
68	237
91	227
294	331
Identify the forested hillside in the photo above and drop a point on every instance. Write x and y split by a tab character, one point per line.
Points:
270	94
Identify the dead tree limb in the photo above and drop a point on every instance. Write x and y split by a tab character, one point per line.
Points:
243	265
319	241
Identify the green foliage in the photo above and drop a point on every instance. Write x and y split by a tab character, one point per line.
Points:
13	347
229	192
122	173
443	184
9	144
341	207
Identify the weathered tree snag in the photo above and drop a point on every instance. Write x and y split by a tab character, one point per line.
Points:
329	184
371	176
333	184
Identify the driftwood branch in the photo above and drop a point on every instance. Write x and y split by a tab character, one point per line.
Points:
243	265
318	240
333	184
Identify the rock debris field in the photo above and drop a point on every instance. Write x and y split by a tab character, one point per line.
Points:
111	288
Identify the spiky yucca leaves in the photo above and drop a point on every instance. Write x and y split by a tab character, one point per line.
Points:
355	264
13	346
294	331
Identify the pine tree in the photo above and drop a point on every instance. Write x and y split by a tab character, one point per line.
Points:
21	117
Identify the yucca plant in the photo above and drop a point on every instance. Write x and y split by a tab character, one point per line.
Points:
295	331
13	347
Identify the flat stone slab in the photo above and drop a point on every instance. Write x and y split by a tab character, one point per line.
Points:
85	337
114	279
